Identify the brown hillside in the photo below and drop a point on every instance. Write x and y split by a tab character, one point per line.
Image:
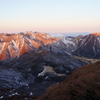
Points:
82	84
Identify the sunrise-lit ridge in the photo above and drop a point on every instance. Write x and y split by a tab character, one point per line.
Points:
13	45
97	34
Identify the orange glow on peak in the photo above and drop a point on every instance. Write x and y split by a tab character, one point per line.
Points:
97	34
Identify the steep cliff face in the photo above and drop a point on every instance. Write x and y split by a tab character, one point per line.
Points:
36	71
82	84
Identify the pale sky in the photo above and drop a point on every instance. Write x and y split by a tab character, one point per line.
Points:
62	16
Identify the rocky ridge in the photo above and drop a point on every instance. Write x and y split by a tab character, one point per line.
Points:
89	46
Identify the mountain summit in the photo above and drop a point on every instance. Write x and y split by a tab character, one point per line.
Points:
89	46
97	34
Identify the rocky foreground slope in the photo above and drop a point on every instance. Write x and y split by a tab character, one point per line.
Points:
82	84
34	72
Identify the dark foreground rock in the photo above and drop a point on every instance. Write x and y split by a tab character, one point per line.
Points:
82	84
33	72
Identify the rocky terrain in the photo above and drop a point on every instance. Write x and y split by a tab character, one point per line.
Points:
34	72
89	46
30	63
82	84
13	45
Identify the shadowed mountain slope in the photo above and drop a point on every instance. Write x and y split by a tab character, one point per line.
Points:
89	46
82	84
36	71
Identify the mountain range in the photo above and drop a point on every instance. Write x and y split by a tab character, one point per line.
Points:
31	62
89	46
13	45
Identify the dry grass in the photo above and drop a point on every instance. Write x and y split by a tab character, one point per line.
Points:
85	59
82	84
